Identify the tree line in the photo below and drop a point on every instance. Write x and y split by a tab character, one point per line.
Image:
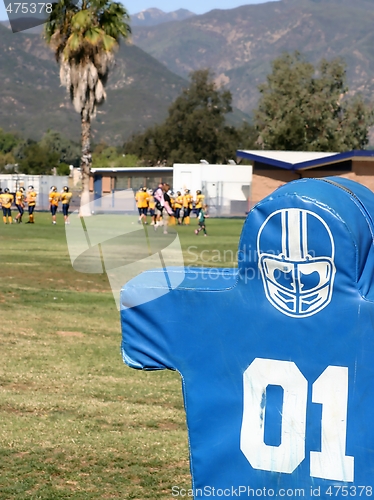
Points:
302	107
52	154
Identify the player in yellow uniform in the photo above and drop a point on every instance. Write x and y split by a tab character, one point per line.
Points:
20	204
178	206
151	205
6	202
141	201
199	202
187	206
31	202
172	197
65	198
54	198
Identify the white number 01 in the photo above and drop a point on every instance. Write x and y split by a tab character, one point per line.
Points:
330	390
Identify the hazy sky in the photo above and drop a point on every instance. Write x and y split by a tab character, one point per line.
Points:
196	6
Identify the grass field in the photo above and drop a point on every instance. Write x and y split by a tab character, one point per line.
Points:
75	422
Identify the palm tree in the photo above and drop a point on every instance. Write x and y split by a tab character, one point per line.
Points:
83	35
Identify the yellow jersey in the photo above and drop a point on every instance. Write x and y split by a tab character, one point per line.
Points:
141	199
65	197
54	198
20	198
151	202
179	201
31	198
6	200
199	201
187	200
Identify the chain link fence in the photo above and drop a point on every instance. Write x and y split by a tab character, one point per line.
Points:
42	185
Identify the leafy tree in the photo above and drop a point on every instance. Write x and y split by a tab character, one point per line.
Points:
7	141
68	151
63	169
38	160
304	108
110	157
83	36
195	128
6	159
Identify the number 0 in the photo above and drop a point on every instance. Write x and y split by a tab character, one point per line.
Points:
291	452
330	390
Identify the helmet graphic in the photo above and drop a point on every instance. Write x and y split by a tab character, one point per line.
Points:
296	259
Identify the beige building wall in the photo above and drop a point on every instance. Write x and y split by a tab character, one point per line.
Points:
264	182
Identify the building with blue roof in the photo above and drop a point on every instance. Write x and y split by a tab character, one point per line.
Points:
272	169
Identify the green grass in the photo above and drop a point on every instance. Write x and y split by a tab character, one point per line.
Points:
75	422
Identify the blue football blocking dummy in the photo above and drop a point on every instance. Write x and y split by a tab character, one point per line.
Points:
276	357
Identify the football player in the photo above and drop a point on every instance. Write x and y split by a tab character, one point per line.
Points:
141	201
151	205
31	202
65	197
178	206
6	202
54	198
199	202
20	204
187	206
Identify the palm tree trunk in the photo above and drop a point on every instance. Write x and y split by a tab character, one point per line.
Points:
86	162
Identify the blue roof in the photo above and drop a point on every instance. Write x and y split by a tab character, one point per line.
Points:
301	160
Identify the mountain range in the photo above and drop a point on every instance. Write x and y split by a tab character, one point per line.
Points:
155	17
139	91
237	44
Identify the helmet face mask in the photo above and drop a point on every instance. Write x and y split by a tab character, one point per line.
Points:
297	279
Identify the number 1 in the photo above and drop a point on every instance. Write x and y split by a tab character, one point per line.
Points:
331	390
